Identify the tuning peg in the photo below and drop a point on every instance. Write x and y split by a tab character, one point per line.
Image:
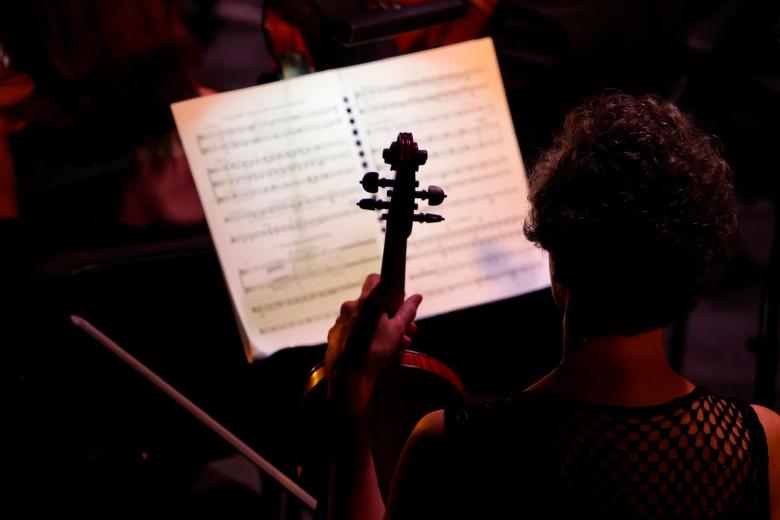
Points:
371	182
390	154
422	157
373	204
427	218
434	195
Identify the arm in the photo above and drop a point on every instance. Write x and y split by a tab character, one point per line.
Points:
361	345
771	423
421	479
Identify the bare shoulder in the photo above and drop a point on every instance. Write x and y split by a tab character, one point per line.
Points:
430	427
770	420
423	447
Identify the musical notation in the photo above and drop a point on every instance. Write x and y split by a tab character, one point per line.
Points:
479	179
235	136
297	226
247	174
461	118
465	238
418	121
306	283
304	297
285	206
316	319
414	83
469	168
317	254
277	168
283	186
491	277
441	96
301	278
435	271
286	118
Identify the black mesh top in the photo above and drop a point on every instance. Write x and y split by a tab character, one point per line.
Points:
698	456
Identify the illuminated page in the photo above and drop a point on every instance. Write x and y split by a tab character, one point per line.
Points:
277	169
452	100
278	175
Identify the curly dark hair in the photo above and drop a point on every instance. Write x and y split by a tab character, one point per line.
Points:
636	208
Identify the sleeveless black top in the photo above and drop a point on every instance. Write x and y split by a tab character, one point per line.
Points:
531	456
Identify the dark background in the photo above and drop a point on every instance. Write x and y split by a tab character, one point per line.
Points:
87	436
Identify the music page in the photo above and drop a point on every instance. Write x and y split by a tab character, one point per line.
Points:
277	168
278	177
452	100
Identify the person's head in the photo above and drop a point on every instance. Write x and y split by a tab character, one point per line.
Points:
635	206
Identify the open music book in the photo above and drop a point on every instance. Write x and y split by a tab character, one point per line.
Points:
278	166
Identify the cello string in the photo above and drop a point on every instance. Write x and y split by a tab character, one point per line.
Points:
195	410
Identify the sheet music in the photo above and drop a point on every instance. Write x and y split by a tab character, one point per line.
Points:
277	169
278	178
452	100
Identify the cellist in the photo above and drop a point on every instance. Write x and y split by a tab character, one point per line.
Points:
635	206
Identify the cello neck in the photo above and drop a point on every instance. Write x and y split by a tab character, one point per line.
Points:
404	157
393	274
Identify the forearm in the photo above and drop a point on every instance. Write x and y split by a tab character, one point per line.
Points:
354	489
361	345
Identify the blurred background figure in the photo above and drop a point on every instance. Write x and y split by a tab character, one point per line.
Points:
85	97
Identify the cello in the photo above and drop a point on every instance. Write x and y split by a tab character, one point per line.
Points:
419	383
